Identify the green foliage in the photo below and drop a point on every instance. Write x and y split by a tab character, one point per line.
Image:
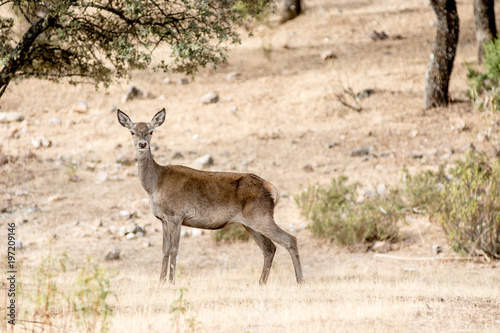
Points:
183	312
86	305
469	205
466	203
336	215
47	298
89	301
423	190
484	87
104	40
231	233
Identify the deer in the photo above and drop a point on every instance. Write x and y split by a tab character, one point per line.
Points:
183	196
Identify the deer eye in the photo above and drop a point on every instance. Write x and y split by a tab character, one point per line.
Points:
132	133
151	133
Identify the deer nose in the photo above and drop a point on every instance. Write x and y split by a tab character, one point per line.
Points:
142	145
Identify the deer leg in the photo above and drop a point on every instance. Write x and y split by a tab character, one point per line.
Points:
268	249
289	242
175	236
165	250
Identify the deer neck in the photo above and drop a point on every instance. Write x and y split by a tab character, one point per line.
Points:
149	170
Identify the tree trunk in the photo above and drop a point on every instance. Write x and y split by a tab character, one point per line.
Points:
22	50
437	76
290	10
486	28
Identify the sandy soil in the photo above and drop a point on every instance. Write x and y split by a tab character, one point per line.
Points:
281	119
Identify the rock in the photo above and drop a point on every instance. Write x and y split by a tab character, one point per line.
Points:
365	93
202	162
381	190
436	249
381	247
113	255
308	168
233	109
233	77
135	93
126	159
328	55
211	97
332	144
361	151
177	156
54	121
102	176
182	81
146	244
126	214
130	235
167	80
379	35
40	142
98	223
80	107
10	117
18	244
55	198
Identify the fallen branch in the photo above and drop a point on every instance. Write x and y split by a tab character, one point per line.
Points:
388	256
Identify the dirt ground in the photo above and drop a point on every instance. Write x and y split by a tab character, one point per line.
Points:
280	119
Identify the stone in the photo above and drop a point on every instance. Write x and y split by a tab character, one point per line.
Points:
231	77
328	55
365	93
10	117
361	151
40	142
113	255
375	35
126	159
202	162
182	81
80	107
167	80
209	98
381	247
135	93
308	168
381	190
436	249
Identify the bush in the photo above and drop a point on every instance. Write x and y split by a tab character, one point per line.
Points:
231	233
423	190
484	87
336	215
469	205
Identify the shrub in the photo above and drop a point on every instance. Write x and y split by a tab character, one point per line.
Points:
469	205
231	233
484	87
336	215
423	190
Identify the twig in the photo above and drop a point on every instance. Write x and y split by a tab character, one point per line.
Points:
388	256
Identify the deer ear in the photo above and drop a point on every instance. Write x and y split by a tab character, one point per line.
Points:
123	119
158	119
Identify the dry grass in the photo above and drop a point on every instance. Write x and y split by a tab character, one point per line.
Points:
287	114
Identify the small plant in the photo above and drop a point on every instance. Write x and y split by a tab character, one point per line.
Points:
182	311
336	215
90	297
48	299
423	190
232	233
469	205
484	88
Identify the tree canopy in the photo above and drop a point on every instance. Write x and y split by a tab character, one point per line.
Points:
102	40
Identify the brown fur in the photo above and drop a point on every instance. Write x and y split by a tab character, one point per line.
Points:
208	200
